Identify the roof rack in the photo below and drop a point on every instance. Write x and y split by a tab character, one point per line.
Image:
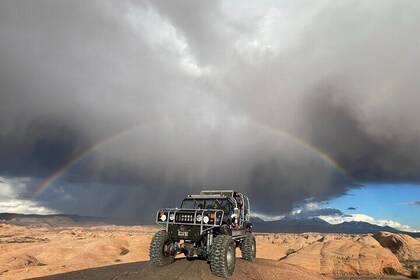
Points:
227	193
205	196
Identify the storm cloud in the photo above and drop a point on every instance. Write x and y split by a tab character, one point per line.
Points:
416	203
156	99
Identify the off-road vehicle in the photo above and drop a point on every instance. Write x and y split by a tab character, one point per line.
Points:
209	225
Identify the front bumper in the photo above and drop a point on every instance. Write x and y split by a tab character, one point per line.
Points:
184	232
188	219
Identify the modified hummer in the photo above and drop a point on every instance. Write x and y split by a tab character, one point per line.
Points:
209	225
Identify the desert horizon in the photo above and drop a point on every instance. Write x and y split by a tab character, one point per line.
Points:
43	250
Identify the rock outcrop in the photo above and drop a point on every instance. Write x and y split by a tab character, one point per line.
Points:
345	255
403	246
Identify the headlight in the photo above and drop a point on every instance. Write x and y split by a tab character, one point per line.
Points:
199	218
206	219
172	217
163	217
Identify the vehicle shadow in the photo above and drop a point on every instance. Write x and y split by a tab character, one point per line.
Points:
135	270
194	269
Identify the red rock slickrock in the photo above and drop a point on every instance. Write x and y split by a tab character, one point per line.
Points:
403	246
27	252
345	255
30	252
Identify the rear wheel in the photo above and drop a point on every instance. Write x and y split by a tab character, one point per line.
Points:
222	259
248	248
161	249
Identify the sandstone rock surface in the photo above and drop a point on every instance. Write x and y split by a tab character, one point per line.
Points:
403	246
345	255
260	269
27	252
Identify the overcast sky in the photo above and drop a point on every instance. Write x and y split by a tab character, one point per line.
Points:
285	101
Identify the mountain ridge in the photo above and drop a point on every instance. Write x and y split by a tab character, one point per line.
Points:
287	224
315	224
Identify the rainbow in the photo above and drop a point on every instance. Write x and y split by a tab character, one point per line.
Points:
313	149
48	182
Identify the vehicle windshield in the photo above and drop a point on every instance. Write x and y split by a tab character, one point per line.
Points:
190	203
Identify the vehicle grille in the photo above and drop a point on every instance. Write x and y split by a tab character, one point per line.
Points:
184	218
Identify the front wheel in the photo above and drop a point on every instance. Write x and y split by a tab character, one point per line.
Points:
248	248
161	249
223	254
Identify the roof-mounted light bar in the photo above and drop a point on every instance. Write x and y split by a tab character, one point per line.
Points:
227	193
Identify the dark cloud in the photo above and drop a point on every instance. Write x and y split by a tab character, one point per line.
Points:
416	203
334	128
152	100
351	208
38	150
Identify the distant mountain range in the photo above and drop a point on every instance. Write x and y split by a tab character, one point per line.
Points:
62	220
314	224
286	225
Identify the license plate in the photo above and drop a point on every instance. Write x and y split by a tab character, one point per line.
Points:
183	233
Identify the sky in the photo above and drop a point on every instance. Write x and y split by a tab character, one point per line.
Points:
382	201
119	108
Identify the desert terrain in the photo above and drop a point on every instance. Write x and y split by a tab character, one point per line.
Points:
27	252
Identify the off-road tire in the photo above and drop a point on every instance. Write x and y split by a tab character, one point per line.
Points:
222	259
156	253
248	247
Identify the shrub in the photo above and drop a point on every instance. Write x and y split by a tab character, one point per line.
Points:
390	270
124	251
290	251
408	264
415	274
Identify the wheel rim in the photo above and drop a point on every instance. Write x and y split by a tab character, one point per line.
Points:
230	258
167	248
